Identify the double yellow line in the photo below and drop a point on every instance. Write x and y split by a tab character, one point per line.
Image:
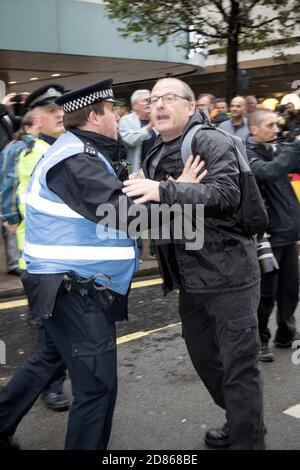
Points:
23	302
122	339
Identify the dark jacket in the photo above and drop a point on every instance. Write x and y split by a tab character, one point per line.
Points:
227	261
271	168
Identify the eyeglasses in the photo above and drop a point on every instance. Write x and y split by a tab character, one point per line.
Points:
166	99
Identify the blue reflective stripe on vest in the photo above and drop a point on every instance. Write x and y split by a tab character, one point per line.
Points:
58	239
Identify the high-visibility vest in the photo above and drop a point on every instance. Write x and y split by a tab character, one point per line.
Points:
26	164
58	239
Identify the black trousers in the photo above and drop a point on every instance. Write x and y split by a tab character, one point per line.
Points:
282	287
221	335
80	336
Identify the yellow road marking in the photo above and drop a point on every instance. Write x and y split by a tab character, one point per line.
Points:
141	334
151	282
122	339
135	285
13	304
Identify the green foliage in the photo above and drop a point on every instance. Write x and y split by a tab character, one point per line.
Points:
216	20
227	25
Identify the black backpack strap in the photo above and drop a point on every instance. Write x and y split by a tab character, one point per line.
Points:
186	144
235	143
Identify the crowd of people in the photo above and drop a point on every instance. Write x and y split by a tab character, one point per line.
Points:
62	161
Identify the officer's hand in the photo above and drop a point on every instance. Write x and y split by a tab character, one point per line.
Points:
193	171
148	190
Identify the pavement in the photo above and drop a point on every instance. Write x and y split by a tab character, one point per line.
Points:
11	286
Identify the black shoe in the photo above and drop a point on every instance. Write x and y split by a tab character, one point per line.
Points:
265	354
9	443
56	401
288	344
15	272
218	438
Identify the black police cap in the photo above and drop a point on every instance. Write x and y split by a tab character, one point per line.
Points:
45	95
88	95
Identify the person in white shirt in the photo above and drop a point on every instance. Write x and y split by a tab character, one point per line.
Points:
136	130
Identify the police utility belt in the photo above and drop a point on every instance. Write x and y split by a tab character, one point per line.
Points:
74	284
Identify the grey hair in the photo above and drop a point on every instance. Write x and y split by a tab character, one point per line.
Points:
188	92
137	94
258	116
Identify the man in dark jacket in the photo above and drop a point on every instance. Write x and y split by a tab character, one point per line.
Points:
219	283
271	165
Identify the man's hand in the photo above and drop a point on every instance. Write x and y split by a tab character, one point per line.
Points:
193	171
149	126
137	175
24	96
9	100
147	189
11	228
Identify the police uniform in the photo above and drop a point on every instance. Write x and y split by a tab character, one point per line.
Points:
29	157
53	394
70	257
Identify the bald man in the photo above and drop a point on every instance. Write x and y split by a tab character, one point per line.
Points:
251	103
238	124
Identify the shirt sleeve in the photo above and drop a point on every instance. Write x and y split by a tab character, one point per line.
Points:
132	137
9	192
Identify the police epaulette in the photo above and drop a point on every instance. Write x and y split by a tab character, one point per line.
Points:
89	149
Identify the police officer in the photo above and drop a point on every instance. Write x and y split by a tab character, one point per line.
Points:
48	117
70	257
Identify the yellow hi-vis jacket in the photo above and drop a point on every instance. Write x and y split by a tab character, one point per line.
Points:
26	165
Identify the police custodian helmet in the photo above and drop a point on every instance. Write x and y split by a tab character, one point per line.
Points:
88	95
45	95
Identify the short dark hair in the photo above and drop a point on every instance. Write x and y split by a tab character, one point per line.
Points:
220	100
79	118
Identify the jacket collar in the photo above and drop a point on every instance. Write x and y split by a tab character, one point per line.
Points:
105	145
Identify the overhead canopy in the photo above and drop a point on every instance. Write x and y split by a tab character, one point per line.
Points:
32	69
